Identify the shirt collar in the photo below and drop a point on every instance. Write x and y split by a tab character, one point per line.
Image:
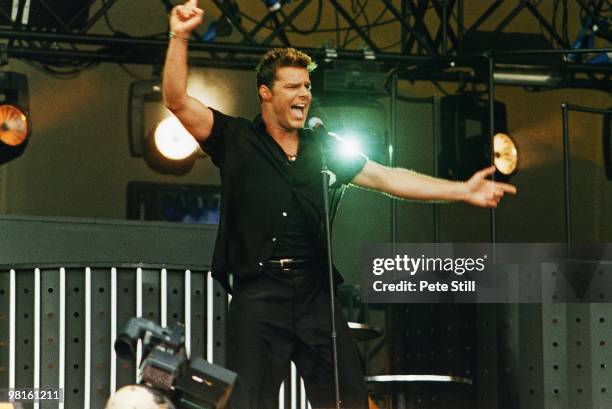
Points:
261	127
259	123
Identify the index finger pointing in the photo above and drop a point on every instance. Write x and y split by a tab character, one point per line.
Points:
192	3
506	187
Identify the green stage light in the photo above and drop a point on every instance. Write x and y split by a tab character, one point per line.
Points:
359	120
350	144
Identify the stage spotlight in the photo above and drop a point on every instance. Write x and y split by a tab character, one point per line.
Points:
170	149
506	155
222	27
174	141
14	122
351	147
359	123
15	128
167	147
536	77
465	144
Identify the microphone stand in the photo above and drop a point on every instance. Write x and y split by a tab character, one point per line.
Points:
330	268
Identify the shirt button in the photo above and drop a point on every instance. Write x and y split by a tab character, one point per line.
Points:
273	238
260	264
284	214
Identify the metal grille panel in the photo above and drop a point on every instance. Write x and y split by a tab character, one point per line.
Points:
66	338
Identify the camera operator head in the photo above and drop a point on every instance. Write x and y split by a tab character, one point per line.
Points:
138	396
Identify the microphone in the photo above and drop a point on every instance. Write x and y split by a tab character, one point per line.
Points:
318	128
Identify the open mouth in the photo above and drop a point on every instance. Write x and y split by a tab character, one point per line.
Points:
298	110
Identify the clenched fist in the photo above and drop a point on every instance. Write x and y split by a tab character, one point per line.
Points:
186	17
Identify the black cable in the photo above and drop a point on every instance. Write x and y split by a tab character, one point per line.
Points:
379	17
337	27
376	24
122	33
57	69
564	23
365	16
68	70
107	19
341	29
336	30
314	26
252	20
555	10
395	44
355	17
42	68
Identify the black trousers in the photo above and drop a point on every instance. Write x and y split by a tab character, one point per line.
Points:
282	316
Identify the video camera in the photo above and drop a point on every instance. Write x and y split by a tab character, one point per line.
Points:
165	367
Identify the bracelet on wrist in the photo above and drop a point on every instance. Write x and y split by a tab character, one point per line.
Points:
172	34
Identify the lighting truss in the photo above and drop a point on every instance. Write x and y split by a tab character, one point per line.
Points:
430	35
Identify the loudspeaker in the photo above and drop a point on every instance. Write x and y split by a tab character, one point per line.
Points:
355	78
465	143
50	14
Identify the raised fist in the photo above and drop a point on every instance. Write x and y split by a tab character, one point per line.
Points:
186	17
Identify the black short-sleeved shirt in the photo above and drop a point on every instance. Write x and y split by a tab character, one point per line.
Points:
257	184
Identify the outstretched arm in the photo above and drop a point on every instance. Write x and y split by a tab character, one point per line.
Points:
196	117
406	184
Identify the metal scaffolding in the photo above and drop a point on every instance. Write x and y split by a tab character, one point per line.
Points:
433	42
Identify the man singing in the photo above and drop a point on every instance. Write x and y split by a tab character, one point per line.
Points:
270	234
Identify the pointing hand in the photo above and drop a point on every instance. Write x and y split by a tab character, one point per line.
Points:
185	18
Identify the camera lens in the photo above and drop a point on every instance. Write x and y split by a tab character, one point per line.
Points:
125	346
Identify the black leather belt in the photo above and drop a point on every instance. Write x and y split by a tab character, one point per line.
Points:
290	263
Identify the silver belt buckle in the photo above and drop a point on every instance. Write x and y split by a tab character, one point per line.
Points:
285	260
